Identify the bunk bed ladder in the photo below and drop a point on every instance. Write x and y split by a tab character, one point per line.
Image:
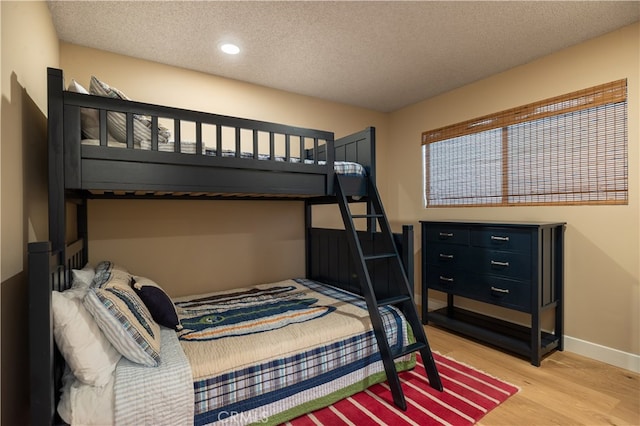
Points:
402	300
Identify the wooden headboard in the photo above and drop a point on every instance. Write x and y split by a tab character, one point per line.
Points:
330	261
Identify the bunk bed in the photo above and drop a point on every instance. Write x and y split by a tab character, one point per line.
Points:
245	159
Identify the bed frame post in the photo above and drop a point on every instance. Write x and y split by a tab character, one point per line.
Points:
55	87
308	224
83	228
372	152
41	346
407	255
331	158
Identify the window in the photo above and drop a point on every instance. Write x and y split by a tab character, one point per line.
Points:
571	149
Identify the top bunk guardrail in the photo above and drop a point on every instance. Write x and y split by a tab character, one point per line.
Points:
103	145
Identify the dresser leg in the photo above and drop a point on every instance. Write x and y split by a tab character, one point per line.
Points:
536	338
450	305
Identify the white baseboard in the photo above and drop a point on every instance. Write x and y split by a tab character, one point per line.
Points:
591	350
605	354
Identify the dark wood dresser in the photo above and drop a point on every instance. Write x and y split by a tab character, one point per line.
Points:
517	266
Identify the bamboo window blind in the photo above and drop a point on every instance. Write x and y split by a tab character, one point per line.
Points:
570	149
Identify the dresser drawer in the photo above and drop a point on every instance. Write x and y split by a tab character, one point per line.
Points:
450	234
456	282
504	292
448	255
484	288
497	262
445	279
502	238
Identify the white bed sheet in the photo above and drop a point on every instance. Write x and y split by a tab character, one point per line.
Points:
120	401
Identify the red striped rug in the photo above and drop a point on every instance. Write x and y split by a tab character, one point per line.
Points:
468	395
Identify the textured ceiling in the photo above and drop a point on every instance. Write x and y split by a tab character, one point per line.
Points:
374	54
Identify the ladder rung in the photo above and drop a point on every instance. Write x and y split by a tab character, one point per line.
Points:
379	256
366	216
375	210
394	300
408	349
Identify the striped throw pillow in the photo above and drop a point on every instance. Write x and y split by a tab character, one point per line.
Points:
118	121
108	271
125	321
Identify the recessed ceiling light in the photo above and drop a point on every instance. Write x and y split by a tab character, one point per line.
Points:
230	48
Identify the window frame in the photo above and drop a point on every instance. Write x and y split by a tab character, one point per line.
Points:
573	104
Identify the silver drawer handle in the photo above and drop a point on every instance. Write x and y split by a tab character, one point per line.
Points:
446	234
447	279
498	263
500	290
446	256
498	238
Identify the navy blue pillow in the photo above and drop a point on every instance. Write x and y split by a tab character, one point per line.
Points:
158	302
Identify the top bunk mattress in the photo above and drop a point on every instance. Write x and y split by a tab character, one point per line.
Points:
347	168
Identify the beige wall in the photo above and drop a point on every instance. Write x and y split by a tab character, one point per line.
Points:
602	242
198	246
29	45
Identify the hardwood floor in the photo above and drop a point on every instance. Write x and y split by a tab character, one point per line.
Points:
567	389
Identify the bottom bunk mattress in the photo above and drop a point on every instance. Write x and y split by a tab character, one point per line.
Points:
266	354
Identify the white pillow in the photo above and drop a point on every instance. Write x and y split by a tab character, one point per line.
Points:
82	404
76	87
89	117
88	353
82	277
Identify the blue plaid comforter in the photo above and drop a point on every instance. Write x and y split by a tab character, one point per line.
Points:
273	391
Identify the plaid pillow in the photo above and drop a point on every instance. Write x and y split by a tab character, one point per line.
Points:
125	321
